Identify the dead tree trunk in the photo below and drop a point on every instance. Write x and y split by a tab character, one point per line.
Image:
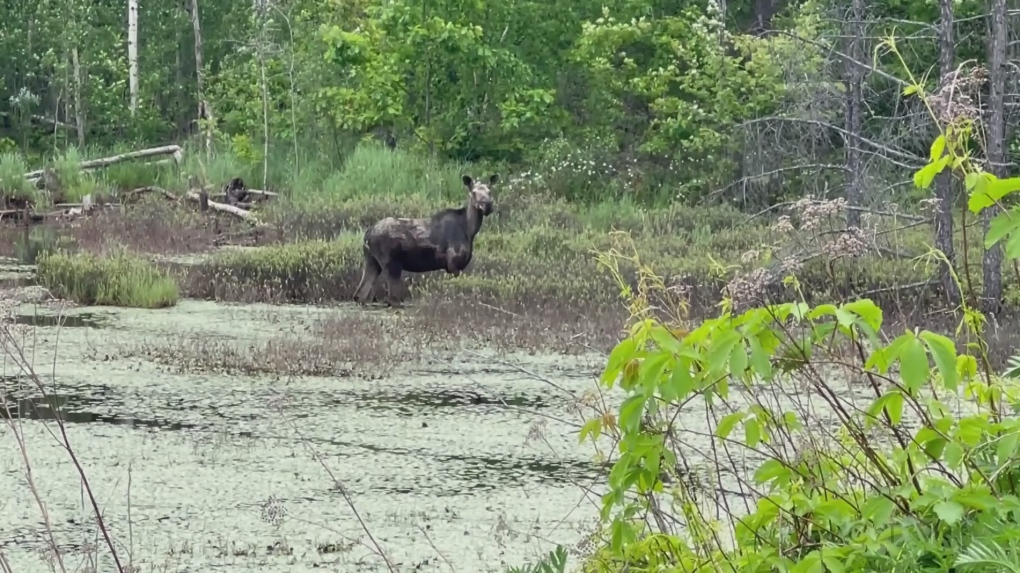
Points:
854	105
992	259
79	109
944	194
204	111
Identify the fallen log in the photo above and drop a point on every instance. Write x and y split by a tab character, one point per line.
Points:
153	189
262	195
172	150
195	197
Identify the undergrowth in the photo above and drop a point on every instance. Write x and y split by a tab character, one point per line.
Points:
802	437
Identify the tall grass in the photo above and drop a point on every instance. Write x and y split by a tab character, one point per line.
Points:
120	279
13	184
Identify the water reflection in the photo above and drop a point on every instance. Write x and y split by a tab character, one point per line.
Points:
83	320
73	408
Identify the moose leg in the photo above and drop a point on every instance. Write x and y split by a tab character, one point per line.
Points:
368	276
453	262
393	272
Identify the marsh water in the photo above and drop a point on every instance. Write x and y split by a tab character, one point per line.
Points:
459	463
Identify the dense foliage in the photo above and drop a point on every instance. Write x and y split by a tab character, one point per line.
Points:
663	98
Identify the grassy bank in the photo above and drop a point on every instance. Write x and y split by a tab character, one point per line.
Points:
535	254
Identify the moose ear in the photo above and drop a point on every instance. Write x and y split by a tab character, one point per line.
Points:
468	181
494	179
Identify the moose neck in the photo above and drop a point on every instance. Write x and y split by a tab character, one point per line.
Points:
474	217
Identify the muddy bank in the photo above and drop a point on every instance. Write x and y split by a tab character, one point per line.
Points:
221	469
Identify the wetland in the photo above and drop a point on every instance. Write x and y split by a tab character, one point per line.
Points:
455	456
232	408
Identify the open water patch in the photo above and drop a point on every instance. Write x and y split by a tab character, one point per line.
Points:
77	409
81	320
425	400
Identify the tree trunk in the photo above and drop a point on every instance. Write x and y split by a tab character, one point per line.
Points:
992	259
133	53
854	105
944	193
79	111
204	111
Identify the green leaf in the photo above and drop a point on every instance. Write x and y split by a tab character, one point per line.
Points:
771	470
970	430
622	535
914	365
752	432
727	423
665	339
1001	225
620	355
938	147
910	90
892	403
878	509
720	350
953	455
1006	448
738	359
949	511
988	189
971	180
979	500
811	563
882	358
1012	248
924	176
650	372
966	366
932	442
593	428
759	359
943	350
630	413
833	564
869	312
680	383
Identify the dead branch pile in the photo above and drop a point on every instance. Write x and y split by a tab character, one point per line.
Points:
234	198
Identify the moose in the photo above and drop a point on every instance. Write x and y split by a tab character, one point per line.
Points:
443	241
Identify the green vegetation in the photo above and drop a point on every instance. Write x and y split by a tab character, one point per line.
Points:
119	279
554	562
868	451
654	150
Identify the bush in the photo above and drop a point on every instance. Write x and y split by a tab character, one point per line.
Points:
818	440
116	280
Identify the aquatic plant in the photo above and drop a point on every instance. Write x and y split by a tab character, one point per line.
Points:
118	279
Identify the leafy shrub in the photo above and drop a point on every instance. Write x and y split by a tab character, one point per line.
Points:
805	438
120	279
554	562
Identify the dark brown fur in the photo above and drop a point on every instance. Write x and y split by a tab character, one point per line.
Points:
236	193
443	241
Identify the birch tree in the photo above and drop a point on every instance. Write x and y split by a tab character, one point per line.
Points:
133	53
